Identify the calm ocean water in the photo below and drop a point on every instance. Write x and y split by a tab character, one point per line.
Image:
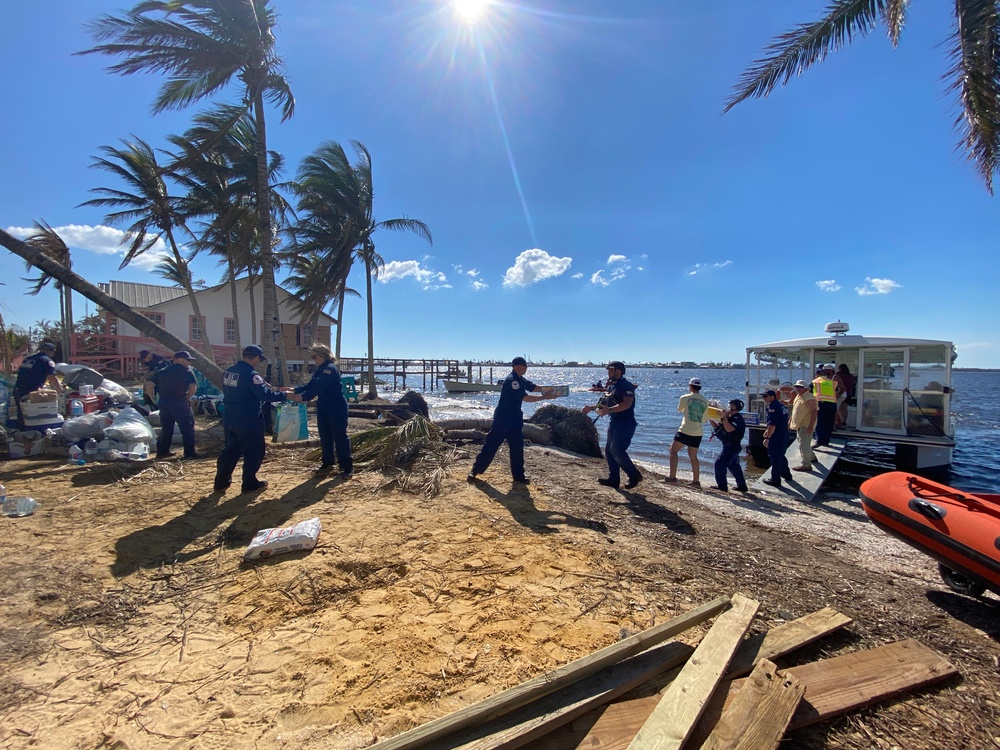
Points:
975	410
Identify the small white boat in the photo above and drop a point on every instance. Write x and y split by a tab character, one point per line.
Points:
461	386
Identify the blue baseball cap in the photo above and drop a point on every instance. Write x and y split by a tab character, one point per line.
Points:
253	351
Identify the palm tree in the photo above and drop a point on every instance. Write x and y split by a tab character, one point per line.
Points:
341	196
154	213
78	284
202	45
45	239
178	272
974	73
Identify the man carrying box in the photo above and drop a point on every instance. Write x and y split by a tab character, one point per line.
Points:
33	373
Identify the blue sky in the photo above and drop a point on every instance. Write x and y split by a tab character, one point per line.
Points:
587	198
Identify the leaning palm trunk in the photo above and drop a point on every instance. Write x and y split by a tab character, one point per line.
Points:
76	282
340	319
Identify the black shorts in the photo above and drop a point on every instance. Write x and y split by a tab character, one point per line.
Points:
691	441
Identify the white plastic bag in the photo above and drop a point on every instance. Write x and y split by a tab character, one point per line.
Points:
267	542
119	394
131	427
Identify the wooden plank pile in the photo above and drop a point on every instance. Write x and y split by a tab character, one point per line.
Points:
726	693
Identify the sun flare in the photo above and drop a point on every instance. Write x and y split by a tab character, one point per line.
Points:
471	10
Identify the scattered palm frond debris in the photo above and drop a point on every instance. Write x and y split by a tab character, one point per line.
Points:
697	700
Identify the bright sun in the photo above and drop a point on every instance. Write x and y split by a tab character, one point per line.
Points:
471	10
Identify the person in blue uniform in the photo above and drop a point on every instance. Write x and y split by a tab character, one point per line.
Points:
175	385
776	439
508	422
618	403
150	363
35	371
730	430
331	411
244	390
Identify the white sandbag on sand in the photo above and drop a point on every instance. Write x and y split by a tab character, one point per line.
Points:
267	542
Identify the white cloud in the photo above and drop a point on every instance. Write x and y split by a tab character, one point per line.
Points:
705	267
977	345
396	270
479	286
616	259
876	286
828	285
616	274
577	276
533	266
101	240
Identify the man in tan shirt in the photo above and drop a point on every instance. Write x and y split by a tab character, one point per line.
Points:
803	422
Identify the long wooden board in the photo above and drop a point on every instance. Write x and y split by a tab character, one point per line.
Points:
526	724
675	716
846	683
533	689
614	726
785	638
757	717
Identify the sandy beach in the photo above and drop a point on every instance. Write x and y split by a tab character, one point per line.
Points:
128	618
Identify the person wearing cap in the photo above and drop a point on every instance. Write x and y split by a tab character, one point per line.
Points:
244	390
174	386
825	390
152	363
776	439
508	422
331	410
730	430
35	371
694	407
803	422
618	403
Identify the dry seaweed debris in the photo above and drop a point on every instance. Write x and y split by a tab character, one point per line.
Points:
571	429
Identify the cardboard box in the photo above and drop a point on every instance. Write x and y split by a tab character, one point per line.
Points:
27	448
43	395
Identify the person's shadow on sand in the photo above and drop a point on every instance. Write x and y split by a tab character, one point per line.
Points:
522	509
165	543
654	513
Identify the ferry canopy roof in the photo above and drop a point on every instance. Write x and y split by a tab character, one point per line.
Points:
847	342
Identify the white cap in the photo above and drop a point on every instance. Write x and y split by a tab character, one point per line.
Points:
801	384
695	381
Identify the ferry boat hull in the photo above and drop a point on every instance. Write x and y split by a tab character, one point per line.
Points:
961	530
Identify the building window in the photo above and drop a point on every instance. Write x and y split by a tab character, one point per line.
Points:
196	327
305	335
230	330
156	317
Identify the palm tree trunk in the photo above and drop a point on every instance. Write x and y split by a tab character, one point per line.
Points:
274	342
72	280
340	317
68	351
186	283
230	258
253	307
372	392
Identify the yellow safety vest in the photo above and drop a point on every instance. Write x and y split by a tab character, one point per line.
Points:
825	390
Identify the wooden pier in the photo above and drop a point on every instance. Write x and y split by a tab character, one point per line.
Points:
422	373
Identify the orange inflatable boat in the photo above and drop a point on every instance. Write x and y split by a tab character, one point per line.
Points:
961	530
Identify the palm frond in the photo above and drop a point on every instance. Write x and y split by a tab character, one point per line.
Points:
794	52
975	77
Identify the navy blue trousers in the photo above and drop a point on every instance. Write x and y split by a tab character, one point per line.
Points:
824	422
175	411
729	460
333	433
246	440
776	448
615	450
513	433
